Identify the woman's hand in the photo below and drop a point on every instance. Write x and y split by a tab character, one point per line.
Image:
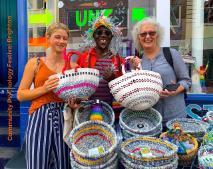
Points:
136	62
166	93
108	73
74	102
50	84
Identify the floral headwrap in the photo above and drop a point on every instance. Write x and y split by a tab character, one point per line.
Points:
108	22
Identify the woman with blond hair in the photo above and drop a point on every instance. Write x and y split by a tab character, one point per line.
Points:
44	135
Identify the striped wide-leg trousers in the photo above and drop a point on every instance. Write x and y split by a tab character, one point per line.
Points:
44	139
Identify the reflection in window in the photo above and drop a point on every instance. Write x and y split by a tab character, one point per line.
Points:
208	11
41	31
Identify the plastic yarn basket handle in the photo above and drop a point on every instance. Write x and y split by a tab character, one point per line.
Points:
127	64
67	60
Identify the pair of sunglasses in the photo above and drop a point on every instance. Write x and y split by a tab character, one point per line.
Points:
144	34
103	32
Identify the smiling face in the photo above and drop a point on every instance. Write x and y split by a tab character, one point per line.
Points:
102	37
148	36
58	40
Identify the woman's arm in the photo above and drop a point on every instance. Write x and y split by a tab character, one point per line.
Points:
181	71
24	91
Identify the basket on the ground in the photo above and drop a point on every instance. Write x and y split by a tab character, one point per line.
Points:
148	152
110	164
137	90
190	126
81	83
145	122
172	164
205	157
185	159
209	116
93	143
128	134
82	114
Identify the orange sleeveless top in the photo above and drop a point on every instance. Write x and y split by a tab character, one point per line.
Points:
41	76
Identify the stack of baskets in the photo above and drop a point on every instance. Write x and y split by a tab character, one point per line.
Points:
148	153
205	157
93	146
140	123
190	126
83	113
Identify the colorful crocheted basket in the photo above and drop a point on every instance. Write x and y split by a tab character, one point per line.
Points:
93	143
82	114
171	164
128	134
110	164
81	83
190	126
78	82
205	157
148	151
185	155
144	122
137	90
209	116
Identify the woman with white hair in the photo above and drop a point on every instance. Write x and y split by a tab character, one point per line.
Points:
147	36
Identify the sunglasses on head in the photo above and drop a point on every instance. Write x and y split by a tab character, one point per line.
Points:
103	32
144	34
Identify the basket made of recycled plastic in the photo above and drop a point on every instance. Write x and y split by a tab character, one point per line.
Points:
110	164
205	157
82	114
209	116
128	134
160	149
208	138
89	135
78	82
190	126
186	159
146	122
173	164
137	90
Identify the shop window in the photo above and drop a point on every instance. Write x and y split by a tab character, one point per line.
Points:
38	4
208	11
175	16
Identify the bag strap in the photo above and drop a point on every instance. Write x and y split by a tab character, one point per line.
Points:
38	60
168	56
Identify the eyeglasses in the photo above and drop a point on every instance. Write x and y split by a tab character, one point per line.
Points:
144	34
102	32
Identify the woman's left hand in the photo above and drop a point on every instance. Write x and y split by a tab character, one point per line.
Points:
74	102
166	93
135	61
108	73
